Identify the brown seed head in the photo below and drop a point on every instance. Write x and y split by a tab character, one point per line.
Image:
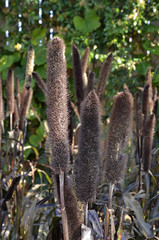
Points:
57	108
85	60
148	141
91	80
87	162
29	67
103	76
119	131
25	107
77	72
10	91
145	102
40	82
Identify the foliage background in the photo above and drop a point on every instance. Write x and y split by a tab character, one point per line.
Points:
128	28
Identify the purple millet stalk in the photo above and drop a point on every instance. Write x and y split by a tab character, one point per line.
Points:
85	60
77	72
57	105
91	80
103	76
10	91
87	162
29	67
40	82
118	133
148	141
145	102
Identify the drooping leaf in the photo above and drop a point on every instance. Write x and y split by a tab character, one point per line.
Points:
93	218
134	205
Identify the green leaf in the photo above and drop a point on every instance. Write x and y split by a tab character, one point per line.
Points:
27	151
80	24
41	97
6	61
19	72
37	35
87	24
142	68
153	49
34	140
41	71
16	56
92	20
40	55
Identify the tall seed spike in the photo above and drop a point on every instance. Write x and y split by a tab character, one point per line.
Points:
29	67
22	96
72	210
103	76
148	141
77	72
87	162
25	107
40	82
10	91
118	133
155	108
149	82
138	115
145	101
85	60
16	113
57	107
91	80
18	93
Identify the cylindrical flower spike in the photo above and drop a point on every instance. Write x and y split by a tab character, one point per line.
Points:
87	162
77	72
10	91
103	76
85	60
145	101
149	82
40	82
148	141
119	130
25	107
29	67
91	80
57	107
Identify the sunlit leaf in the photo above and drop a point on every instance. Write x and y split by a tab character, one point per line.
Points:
134	205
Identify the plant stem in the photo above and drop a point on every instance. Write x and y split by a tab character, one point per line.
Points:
63	210
107	216
86	213
11	121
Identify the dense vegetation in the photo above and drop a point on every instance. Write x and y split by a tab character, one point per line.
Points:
129	30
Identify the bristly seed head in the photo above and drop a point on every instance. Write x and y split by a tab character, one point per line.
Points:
57	107
87	162
119	130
